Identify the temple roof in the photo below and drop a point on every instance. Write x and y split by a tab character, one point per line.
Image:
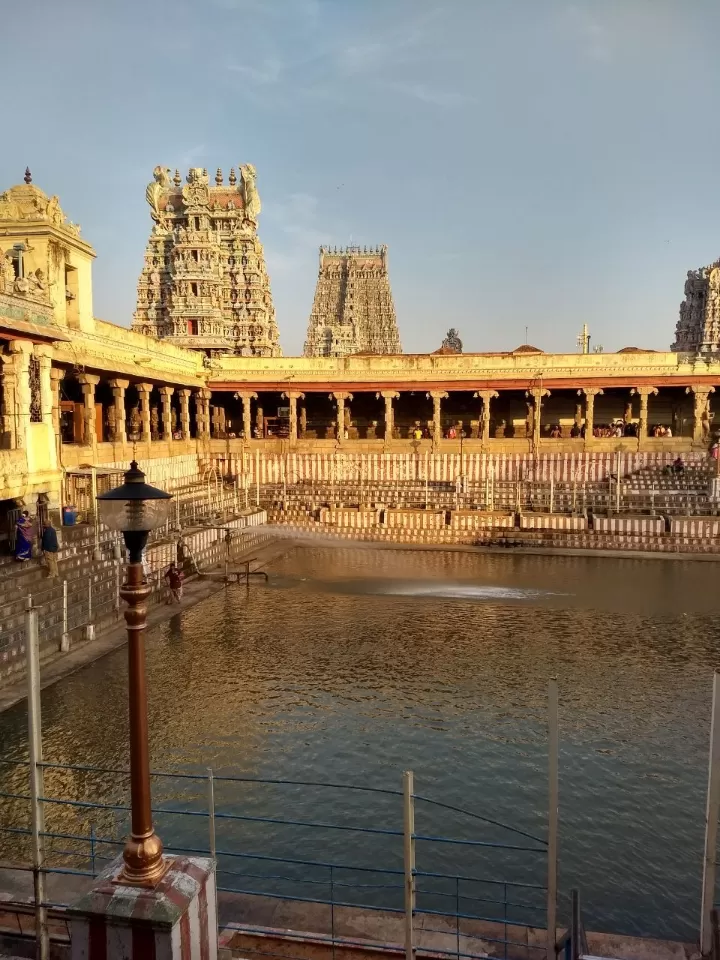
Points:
527	348
26	202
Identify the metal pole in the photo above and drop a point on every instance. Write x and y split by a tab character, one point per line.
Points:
552	816
37	786
65	639
211	811
96	519
712	811
257	478
427	476
409	859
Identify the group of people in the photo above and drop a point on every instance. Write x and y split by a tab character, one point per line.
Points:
25	537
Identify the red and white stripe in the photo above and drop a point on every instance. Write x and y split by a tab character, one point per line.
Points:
116	922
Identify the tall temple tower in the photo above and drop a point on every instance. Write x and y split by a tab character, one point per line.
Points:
204	284
353	309
698	329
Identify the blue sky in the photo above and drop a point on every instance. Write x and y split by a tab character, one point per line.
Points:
528	162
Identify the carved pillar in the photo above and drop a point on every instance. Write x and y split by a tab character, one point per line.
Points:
184	395
701	407
88	382
21	350
578	414
9	402
643	393
436	396
260	422
537	394
293	396
206	410
144	390
200	421
246	398
628	410
388	396
340	398
56	375
166	403
118	388
303	420
44	353
590	394
486	396
216	419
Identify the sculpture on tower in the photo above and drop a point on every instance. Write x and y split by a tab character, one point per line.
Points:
353	310
204	284
698	328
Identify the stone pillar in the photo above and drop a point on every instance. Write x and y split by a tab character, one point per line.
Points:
216	421
166	413
88	382
388	396
590	394
247	412
701	402
118	388
9	402
44	354
206	410
628	410
643	393
303	420
578	414
21	350
56	375
340	399
486	396
144	390
537	394
184	394
292	397
436	396
174	920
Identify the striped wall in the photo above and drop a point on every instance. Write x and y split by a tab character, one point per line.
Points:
346	517
705	527
415	519
645	526
551	521
340	467
474	520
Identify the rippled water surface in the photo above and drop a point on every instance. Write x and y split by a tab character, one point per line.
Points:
354	664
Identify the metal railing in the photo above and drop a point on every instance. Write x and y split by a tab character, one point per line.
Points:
260	850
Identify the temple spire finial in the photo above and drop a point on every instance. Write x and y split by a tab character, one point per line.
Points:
28	176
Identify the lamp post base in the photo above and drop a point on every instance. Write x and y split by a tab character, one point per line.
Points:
176	918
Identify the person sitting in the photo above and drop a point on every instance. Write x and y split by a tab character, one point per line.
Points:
451	434
23	537
678	465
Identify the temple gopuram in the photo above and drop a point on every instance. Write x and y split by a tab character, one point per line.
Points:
698	328
204	284
353	310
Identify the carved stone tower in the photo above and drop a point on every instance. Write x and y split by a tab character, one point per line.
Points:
204	284
353	309
698	329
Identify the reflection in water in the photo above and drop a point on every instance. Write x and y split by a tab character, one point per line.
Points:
353	665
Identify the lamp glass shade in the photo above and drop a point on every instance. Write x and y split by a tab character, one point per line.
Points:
135	506
134	515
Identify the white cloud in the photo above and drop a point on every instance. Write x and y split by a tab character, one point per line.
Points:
432	95
192	154
592	36
268	71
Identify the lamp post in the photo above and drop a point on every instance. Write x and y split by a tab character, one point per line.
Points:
135	508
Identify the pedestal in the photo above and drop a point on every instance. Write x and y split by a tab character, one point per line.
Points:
175	920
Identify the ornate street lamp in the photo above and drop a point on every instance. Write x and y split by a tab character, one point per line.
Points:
135	508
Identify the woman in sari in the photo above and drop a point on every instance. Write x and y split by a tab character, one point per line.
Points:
23	537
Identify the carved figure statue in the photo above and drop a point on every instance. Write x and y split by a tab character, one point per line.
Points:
249	189
452	341
111	421
154	423
135	423
53	212
154	190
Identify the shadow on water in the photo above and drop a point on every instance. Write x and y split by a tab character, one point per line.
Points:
353	665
